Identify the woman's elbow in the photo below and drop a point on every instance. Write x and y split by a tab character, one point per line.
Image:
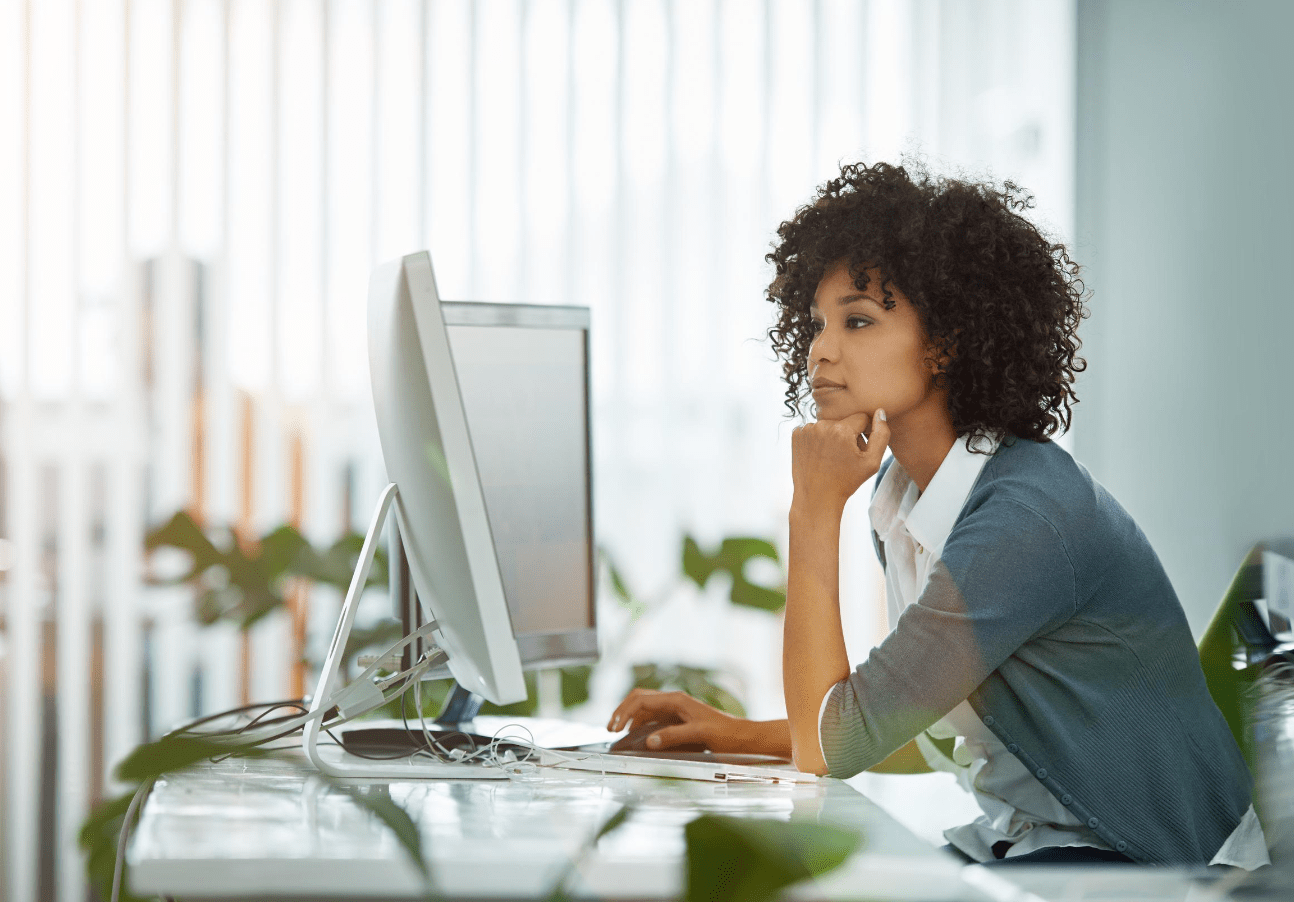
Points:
809	761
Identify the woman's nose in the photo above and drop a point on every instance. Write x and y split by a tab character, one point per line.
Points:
822	346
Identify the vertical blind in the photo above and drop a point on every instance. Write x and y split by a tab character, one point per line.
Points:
192	194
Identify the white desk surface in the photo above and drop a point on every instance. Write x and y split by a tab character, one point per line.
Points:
259	829
273	829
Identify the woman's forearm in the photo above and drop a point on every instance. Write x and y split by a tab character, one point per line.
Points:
770	737
813	649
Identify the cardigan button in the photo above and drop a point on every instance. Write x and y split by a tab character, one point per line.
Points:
1120	846
1013	748
1093	823
1066	799
1042	773
988	720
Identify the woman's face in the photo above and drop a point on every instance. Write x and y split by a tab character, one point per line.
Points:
865	357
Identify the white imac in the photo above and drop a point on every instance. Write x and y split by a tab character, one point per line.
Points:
492	546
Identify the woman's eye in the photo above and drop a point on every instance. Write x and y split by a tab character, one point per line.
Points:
815	327
857	322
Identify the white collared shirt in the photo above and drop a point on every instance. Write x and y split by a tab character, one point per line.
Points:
1017	807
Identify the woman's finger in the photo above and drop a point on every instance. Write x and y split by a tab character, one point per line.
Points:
878	439
668	737
622	709
643	705
856	424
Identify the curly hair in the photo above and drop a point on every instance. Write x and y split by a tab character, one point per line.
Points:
1000	304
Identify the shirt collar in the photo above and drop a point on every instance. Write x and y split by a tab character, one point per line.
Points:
929	518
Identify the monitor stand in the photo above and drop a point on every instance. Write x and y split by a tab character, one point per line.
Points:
331	759
461	707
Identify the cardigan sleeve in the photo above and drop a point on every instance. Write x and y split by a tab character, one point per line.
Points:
1004	578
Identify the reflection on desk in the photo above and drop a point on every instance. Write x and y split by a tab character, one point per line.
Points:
247	828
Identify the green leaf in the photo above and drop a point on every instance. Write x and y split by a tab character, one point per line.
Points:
257	604
575	685
752	860
736	550
620	587
731	558
175	752
183	533
618	584
376	797
214	605
749	595
615	822
612	824
98	840
1219	648
699	682
336	566
278	550
697	565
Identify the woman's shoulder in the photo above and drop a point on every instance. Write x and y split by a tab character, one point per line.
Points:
1040	475
1044	479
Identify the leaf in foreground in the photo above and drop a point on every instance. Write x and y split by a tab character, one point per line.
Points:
391	814
179	752
748	860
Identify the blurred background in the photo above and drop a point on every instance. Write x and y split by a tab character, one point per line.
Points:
193	192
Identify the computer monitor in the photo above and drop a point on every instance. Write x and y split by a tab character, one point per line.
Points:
490	486
523	374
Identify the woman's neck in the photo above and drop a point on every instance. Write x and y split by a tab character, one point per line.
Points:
921	442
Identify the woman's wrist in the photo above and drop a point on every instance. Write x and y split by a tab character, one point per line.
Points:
807	514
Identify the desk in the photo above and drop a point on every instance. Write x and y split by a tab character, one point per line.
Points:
268	828
262	829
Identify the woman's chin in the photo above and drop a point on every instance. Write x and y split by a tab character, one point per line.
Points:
837	408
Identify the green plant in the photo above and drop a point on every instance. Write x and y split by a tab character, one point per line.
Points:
731	558
698	566
735	859
243	582
177	752
731	859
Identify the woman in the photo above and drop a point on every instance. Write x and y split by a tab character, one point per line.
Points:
1036	646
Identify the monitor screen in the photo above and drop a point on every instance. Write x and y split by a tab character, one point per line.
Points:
523	372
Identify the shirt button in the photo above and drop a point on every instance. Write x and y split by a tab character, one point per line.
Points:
988	720
1042	773
1066	799
1120	846
1013	748
1093	823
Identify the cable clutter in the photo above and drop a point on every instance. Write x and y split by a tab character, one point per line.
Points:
265	723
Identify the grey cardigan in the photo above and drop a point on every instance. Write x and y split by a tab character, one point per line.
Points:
1050	612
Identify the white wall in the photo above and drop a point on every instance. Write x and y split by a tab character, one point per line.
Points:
1184	225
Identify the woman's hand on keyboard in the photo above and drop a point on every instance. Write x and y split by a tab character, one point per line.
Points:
684	720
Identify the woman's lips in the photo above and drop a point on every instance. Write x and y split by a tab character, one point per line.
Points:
824	386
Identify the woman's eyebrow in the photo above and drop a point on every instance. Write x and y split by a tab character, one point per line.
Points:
847	299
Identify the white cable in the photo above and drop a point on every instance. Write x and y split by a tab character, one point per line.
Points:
429	659
124	834
433	743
